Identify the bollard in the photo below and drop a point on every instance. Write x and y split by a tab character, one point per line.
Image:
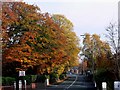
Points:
117	85
25	84
95	84
47	82
77	72
20	85
104	86
14	85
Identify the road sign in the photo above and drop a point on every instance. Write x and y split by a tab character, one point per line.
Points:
21	73
116	85
104	86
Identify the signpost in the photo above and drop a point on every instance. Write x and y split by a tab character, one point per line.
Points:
104	86
21	73
117	85
20	83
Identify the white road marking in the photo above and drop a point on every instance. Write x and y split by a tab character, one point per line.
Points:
71	84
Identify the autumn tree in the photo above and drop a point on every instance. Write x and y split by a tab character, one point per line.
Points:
72	42
93	48
15	22
35	40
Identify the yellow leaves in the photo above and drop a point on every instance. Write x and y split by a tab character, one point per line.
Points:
68	40
24	60
60	69
49	69
96	50
53	65
104	62
42	42
36	55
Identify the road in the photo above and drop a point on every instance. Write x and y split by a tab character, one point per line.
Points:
74	82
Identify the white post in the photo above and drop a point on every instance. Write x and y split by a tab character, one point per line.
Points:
47	82
25	84
104	86
76	71
20	85
14	85
95	84
117	85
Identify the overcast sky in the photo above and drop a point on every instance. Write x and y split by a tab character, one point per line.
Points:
88	16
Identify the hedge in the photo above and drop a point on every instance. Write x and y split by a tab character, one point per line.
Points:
7	81
104	75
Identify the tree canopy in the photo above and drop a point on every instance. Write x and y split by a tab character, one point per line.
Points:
36	40
96	50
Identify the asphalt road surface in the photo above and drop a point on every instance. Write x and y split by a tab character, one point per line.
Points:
74	82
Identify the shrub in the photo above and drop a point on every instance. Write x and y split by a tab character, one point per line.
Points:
33	78
8	80
0	80
28	79
40	79
47	76
3	81
104	75
53	77
62	76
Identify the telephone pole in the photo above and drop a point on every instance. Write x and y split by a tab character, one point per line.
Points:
118	49
119	27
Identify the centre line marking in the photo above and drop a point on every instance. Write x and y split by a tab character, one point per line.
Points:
71	84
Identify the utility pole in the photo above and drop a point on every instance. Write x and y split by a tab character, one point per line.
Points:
119	27
118	49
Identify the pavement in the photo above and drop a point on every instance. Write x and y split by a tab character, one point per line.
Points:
74	82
